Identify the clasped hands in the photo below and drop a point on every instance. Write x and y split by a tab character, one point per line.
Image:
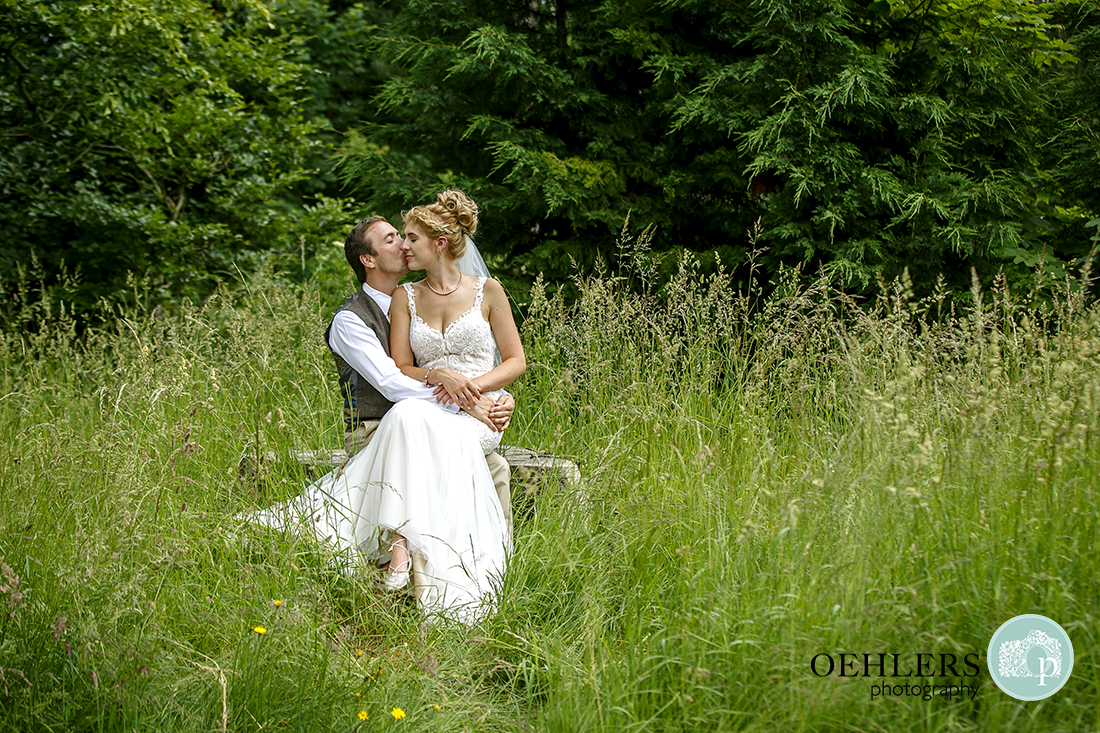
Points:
453	388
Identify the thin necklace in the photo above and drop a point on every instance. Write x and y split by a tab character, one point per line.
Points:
456	287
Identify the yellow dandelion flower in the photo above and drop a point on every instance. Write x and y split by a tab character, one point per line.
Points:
359	653
362	715
260	630
278	603
357	694
436	707
397	713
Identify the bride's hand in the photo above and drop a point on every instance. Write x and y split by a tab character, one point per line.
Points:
453	388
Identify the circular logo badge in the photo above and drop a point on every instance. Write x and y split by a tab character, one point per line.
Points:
1030	657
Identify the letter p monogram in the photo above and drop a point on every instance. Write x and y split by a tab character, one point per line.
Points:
1043	674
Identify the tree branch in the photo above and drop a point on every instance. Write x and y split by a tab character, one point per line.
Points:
26	72
156	183
920	29
22	87
181	199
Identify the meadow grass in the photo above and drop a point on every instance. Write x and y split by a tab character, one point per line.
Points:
765	480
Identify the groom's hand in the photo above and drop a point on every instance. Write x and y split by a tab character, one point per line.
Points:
480	410
501	411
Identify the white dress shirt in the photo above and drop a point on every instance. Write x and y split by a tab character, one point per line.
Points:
359	346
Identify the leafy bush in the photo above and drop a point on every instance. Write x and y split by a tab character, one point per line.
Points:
147	138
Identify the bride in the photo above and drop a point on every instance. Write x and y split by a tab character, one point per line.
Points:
421	488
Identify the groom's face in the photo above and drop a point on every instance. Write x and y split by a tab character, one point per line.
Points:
390	259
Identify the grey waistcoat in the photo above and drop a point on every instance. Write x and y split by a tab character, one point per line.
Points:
361	400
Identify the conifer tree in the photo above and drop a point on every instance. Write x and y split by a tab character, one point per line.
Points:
555	117
868	138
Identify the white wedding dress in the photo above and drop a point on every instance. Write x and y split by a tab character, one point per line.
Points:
423	475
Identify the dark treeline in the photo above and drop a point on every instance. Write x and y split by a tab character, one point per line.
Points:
187	141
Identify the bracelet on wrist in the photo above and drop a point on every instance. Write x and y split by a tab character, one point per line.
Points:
426	377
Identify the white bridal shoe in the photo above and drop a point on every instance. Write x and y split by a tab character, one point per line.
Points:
398	577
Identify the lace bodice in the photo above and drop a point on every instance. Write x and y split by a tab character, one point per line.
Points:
467	347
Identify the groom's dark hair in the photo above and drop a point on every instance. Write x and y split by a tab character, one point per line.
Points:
358	243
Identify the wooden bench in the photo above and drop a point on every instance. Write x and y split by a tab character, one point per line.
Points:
530	469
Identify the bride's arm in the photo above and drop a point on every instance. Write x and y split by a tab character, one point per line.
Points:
513	362
400	347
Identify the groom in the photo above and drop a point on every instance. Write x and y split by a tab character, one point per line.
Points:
359	337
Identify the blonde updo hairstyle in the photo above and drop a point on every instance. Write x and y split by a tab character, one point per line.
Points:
453	215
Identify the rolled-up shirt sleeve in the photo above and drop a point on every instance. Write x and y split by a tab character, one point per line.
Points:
360	347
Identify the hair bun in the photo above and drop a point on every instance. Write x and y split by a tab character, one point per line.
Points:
452	215
462	209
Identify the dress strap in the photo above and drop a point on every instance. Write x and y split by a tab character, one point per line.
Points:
480	292
409	296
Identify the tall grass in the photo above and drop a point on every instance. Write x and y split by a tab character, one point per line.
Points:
765	480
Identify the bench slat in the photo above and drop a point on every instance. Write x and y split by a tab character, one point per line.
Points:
536	462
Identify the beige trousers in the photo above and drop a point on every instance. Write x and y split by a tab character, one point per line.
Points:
355	440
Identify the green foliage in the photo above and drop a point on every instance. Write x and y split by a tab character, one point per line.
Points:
188	141
891	137
1070	197
550	118
332	39
868	138
330	42
147	137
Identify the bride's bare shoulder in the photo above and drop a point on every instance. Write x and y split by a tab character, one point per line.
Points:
495	296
